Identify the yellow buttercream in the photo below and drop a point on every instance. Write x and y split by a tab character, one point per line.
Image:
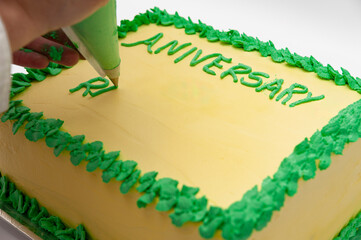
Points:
186	124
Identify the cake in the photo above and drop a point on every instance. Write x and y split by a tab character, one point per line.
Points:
222	136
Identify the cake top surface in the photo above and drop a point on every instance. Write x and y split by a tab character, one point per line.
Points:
213	133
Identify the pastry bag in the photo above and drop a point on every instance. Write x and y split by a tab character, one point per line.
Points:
96	38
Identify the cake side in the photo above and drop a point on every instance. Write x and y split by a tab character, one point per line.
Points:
352	230
292	180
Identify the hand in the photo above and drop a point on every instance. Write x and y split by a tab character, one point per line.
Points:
25	20
38	53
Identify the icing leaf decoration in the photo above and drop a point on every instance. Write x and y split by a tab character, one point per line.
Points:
108	159
146	199
168	193
130	181
127	169
51	224
112	171
188	207
146	181
21	205
212	221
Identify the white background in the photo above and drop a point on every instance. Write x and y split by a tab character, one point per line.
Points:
328	30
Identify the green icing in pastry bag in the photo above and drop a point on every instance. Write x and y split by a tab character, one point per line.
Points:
96	38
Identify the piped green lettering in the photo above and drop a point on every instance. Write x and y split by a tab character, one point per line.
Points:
88	85
290	91
307	99
149	42
184	55
233	71
215	63
196	61
274	86
172	50
254	76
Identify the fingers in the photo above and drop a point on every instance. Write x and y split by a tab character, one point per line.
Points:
55	52
30	59
60	37
41	51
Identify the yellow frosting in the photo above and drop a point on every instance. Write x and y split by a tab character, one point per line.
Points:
188	125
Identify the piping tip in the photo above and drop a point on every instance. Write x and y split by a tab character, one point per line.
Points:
113	75
115	81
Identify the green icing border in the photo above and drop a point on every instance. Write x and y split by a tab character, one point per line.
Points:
28	212
256	207
352	231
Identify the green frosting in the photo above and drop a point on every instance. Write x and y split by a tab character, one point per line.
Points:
22	81
309	98
167	191
27	211
112	171
196	60
130	182
146	181
233	71
184	55
126	170
88	85
146	199
290	91
255	76
274	86
352	231
188	207
172	50
213	220
108	159
95	155
56	53
26	50
53	34
256	207
149	42
216	63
